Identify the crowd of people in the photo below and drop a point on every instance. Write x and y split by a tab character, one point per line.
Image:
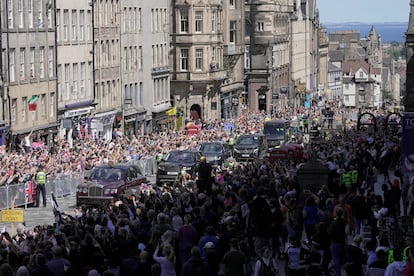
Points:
253	217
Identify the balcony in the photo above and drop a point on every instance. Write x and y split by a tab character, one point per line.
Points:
202	75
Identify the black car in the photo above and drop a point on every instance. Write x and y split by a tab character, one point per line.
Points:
250	147
215	152
104	183
174	163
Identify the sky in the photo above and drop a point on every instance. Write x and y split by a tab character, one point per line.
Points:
340	11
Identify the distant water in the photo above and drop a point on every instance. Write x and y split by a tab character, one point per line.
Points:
394	31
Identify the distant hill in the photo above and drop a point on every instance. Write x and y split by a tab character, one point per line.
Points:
389	31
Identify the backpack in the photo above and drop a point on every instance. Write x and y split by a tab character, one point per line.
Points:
266	270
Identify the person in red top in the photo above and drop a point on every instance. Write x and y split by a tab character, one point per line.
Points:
409	271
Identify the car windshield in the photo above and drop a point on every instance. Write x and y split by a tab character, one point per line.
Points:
248	140
211	148
274	130
107	174
180	157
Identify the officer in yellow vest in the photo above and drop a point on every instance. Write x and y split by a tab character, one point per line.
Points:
231	144
346	179
159	157
40	186
354	177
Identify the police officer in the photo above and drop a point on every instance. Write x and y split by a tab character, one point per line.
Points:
40	186
231	144
204	181
354	177
346	179
159	157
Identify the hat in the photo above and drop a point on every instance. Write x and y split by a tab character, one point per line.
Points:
141	246
209	245
203	158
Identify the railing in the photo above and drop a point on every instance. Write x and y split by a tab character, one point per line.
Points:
24	194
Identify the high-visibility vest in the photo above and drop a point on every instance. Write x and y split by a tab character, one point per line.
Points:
346	179
354	176
231	141
159	157
41	178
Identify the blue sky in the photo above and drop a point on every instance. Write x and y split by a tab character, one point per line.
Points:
339	11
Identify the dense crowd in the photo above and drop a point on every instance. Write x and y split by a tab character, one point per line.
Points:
255	216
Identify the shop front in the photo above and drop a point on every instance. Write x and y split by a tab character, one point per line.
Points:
76	123
134	119
102	125
229	105
161	120
39	136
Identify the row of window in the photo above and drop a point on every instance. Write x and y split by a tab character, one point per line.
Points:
161	88
198	21
199	59
73	25
159	20
28	14
132	58
106	12
159	55
133	94
41	111
75	80
30	63
107	52
132	20
106	92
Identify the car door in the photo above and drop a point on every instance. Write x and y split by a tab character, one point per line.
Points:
132	183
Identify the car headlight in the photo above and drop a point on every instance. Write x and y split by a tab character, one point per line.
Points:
110	191
236	150
216	158
256	151
82	190
187	168
161	168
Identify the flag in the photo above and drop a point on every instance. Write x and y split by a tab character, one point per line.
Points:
171	111
32	102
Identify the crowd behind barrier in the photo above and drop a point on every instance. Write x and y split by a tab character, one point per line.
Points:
251	214
23	194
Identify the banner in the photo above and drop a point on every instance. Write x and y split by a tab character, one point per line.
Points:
408	143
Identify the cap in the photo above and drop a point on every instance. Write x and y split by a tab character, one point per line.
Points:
203	158
141	246
209	245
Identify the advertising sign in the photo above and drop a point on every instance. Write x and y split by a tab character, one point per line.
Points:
408	143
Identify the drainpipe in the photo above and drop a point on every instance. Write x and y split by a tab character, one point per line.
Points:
8	75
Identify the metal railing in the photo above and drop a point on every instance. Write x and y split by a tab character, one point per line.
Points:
24	194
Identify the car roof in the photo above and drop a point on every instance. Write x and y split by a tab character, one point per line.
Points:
186	150
252	135
213	142
118	166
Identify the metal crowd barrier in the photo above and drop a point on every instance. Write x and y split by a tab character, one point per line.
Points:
23	194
